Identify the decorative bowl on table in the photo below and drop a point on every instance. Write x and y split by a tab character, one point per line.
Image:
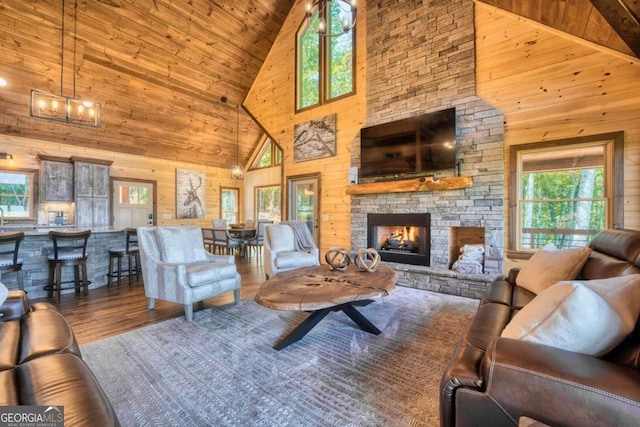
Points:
236	226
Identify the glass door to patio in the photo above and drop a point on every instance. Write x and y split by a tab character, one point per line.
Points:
304	203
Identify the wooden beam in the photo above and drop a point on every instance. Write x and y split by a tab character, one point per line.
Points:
624	17
412	185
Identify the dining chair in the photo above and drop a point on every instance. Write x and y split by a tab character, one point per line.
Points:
257	242
223	241
208	239
9	257
219	223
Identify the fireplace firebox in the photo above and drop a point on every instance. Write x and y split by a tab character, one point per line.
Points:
403	238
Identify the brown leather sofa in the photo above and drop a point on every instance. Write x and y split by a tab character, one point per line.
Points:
493	381
41	364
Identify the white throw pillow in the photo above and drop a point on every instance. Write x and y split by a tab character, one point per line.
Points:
181	244
550	265
4	292
589	317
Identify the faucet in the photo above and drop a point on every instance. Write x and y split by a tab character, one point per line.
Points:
1	217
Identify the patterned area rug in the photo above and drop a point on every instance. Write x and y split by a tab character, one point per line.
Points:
221	370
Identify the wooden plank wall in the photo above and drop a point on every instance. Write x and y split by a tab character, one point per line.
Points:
129	166
271	101
552	86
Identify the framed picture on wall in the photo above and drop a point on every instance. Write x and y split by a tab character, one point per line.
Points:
315	139
190	194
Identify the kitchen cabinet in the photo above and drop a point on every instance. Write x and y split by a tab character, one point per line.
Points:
56	179
92	195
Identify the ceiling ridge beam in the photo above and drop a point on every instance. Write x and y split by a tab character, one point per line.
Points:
624	20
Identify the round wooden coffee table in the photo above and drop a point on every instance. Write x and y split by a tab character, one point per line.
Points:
321	291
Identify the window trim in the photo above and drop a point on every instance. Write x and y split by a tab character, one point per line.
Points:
33	194
323	72
614	181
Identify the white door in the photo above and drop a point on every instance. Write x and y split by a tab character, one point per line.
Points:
132	204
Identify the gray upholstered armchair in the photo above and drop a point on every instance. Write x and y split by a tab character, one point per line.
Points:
288	246
177	268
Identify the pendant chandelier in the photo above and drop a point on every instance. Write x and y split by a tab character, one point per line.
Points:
237	170
71	110
326	11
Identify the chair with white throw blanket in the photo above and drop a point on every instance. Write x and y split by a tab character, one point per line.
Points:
287	246
177	268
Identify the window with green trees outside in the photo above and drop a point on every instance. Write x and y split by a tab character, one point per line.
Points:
325	64
562	195
16	194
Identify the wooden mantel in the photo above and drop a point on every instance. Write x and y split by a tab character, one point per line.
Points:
411	185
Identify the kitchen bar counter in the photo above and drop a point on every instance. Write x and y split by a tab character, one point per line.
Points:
36	246
35	230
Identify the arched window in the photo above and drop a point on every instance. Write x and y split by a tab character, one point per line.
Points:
325	49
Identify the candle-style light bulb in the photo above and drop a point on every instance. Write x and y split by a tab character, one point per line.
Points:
54	106
41	105
80	110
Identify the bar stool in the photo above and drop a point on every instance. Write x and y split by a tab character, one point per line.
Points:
69	249
130	250
9	261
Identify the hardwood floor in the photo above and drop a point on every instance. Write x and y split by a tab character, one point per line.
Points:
112	310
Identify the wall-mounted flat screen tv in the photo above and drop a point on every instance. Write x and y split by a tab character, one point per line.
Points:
416	146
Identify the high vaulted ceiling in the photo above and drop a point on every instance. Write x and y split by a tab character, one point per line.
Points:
160	67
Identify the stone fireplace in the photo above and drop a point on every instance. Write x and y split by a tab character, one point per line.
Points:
439	39
402	238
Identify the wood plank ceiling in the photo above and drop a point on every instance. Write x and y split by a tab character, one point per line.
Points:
160	67
610	23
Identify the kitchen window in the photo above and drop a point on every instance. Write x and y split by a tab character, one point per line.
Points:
17	194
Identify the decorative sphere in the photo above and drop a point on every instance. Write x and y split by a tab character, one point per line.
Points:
367	259
338	259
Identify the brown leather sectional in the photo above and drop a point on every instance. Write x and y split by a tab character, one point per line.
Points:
493	381
41	364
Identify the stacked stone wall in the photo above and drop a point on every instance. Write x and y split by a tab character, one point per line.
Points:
420	58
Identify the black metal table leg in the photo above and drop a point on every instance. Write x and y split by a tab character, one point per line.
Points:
316	316
303	328
359	319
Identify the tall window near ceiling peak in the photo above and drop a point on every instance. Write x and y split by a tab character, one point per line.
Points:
325	64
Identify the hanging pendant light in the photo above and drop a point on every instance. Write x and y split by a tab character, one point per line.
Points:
344	10
45	105
237	170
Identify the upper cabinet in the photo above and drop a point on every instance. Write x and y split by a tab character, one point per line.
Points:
56	179
91	192
92	180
